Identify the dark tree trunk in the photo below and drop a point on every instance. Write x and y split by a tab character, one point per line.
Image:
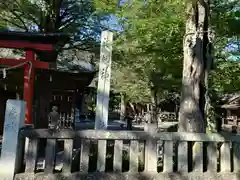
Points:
123	107
154	106
195	68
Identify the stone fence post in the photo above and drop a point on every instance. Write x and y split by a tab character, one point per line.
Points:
12	146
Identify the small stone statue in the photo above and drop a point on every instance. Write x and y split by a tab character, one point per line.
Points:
54	117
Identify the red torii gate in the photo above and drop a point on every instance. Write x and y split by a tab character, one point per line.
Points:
31	43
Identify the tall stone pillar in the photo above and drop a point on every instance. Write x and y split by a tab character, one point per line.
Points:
11	146
104	77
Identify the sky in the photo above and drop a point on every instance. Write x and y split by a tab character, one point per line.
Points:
233	47
112	23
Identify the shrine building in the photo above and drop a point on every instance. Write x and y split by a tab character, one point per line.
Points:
37	80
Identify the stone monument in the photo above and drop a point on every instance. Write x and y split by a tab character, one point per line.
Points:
11	150
104	77
53	118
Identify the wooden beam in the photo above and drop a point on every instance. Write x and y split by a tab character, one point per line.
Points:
40	64
11	62
29	86
25	45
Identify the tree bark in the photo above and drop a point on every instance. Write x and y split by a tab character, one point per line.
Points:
195	68
154	109
123	107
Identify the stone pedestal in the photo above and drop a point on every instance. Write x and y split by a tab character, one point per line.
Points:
161	127
150	128
158	128
11	146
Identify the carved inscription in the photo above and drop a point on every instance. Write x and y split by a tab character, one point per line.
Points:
12	120
104	74
105	58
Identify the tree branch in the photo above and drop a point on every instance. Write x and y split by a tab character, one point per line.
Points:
31	17
11	22
65	12
58	19
67	23
16	15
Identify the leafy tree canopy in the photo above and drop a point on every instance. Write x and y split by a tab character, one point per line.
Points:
148	49
76	17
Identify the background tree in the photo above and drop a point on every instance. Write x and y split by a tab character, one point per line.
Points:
196	66
226	22
147	62
224	78
147	53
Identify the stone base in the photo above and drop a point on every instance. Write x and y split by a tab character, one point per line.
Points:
130	176
151	128
162	127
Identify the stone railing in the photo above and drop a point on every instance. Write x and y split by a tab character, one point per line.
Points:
132	155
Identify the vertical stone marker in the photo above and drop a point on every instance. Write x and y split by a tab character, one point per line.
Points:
14	120
104	77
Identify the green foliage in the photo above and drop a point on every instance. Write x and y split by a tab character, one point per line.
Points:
148	45
75	17
225	17
148	52
225	78
225	20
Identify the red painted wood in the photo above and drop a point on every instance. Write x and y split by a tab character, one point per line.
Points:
29	77
14	62
11	62
25	45
40	64
29	69
28	86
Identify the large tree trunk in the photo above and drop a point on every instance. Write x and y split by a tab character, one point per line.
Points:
195	68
